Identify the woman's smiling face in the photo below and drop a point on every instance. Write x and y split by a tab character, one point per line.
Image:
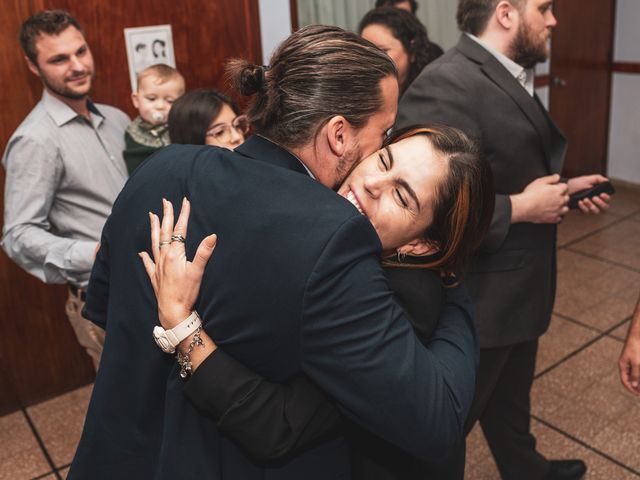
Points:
395	188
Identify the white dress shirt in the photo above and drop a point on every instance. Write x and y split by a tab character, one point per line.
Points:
63	173
524	76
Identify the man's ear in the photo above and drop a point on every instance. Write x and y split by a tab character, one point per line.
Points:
507	15
339	131
134	99
33	67
419	248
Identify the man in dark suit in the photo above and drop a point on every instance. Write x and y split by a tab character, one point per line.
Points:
295	284
484	86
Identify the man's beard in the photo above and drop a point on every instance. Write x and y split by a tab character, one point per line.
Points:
525	51
64	91
346	164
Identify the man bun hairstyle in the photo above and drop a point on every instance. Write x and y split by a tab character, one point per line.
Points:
49	22
317	73
250	79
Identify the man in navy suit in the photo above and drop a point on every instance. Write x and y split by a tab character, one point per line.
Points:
295	285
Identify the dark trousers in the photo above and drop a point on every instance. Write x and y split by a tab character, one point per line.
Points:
503	407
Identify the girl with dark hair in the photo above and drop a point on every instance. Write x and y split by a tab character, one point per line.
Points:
429	196
401	35
207	117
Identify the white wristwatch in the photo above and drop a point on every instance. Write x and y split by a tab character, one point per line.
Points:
168	340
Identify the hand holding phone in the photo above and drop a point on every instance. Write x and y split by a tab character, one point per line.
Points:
604	187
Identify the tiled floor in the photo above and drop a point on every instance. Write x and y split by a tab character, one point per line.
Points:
580	410
39	441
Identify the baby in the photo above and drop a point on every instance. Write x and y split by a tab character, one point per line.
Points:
158	87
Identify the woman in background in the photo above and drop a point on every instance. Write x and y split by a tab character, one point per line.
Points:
401	35
207	117
410	6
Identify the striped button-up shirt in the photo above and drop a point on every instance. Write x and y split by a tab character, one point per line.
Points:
63	173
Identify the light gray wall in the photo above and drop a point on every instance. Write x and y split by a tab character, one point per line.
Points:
624	134
437	15
275	25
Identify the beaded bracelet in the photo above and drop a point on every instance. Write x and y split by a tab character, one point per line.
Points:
184	360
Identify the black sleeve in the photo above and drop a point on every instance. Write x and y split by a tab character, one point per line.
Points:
95	308
421	293
358	346
268	420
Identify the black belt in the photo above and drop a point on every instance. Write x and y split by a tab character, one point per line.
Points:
78	292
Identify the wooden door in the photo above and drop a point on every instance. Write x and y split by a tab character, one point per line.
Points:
580	81
39	355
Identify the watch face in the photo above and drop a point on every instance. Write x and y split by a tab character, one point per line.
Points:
162	341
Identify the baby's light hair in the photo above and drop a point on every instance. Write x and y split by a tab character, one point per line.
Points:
162	72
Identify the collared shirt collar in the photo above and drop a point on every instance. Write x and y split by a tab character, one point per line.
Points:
293	155
62	113
305	167
524	76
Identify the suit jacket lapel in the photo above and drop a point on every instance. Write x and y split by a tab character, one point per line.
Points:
260	148
558	140
529	106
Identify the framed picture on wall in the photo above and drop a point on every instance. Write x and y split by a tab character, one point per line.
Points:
147	46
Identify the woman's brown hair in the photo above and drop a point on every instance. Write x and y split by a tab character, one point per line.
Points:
464	201
191	115
317	73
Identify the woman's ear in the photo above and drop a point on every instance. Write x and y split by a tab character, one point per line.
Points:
419	248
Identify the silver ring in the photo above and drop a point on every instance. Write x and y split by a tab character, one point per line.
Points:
177	238
162	244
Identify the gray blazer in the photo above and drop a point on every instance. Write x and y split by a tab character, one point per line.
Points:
513	280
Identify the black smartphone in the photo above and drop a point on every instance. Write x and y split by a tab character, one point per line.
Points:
604	187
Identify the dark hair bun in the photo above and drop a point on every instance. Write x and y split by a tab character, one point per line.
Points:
245	77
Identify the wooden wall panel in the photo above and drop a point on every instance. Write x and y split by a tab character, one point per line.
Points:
580	81
38	351
293	7
204	35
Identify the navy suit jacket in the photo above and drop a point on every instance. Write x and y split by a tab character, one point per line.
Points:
295	285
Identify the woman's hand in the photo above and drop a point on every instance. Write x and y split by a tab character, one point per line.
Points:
176	281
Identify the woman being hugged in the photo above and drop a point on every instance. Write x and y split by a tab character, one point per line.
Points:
429	196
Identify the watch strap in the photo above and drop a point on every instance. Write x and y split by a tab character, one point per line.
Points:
184	329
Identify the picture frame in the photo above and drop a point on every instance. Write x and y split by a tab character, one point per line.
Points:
148	46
